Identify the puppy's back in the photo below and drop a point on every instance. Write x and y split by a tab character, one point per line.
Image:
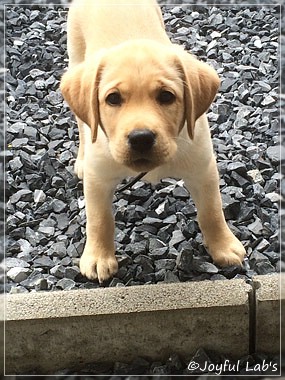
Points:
104	23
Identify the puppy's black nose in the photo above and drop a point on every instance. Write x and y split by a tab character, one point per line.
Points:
141	140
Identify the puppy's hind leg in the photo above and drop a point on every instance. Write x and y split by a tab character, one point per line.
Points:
76	52
78	167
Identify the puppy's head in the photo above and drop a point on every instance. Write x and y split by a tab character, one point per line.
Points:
140	93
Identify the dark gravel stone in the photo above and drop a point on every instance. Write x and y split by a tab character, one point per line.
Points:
155	244
180	192
238	167
58	250
66	284
185	259
200	265
43	262
160	370
200	358
159	253
256	227
231	206
41	284
264	267
170	277
71	272
145	262
167	264
116	282
58	271
233	270
33	281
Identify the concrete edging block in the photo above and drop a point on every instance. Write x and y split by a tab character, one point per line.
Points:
49	331
270	300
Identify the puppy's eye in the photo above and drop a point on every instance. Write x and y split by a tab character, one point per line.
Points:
114	99
166	97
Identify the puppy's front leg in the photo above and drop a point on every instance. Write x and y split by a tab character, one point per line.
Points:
223	246
98	260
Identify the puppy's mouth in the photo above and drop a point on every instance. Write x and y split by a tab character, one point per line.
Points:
142	159
142	164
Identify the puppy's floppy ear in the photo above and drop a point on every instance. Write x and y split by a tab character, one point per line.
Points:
201	83
79	86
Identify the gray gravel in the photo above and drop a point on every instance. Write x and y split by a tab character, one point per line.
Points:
46	223
157	236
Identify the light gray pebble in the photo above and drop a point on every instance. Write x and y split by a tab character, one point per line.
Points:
18	289
275	153
15	164
12	262
177	237
39	196
18	274
256	176
48	231
274	197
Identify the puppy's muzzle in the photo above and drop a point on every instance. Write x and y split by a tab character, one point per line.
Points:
141	140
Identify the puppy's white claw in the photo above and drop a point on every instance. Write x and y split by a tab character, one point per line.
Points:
106	268
87	266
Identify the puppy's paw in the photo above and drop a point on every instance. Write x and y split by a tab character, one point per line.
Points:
227	251
78	168
100	267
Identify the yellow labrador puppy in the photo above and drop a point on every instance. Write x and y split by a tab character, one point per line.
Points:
140	103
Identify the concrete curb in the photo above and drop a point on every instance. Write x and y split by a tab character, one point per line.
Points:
46	332
269	300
